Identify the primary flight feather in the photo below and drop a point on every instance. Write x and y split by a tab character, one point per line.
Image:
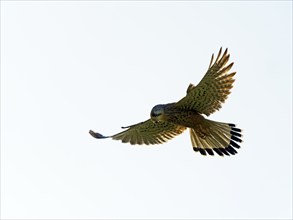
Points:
168	120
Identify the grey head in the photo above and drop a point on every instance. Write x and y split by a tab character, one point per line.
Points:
156	112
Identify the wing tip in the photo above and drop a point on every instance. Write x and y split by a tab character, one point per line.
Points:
97	135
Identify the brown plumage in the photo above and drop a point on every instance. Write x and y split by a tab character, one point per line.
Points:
168	120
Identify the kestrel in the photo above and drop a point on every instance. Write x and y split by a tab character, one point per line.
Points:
168	120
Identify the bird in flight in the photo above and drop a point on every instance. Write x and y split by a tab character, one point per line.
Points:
168	120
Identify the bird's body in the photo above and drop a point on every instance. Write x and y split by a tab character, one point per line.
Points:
169	120
175	115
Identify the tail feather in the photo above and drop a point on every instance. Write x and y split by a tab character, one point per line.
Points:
216	137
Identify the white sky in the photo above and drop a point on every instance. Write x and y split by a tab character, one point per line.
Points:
67	67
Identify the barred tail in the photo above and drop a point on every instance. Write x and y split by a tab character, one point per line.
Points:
212	136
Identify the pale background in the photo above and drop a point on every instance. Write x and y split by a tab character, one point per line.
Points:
67	67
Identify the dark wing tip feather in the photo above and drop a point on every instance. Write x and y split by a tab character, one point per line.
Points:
231	150
234	144
236	139
235	133
97	135
233	128
210	151
236	129
224	151
218	152
202	151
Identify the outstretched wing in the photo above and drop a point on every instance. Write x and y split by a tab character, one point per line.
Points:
146	132
213	89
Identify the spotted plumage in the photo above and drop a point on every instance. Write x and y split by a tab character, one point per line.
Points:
169	120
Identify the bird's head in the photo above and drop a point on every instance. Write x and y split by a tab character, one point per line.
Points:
157	113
